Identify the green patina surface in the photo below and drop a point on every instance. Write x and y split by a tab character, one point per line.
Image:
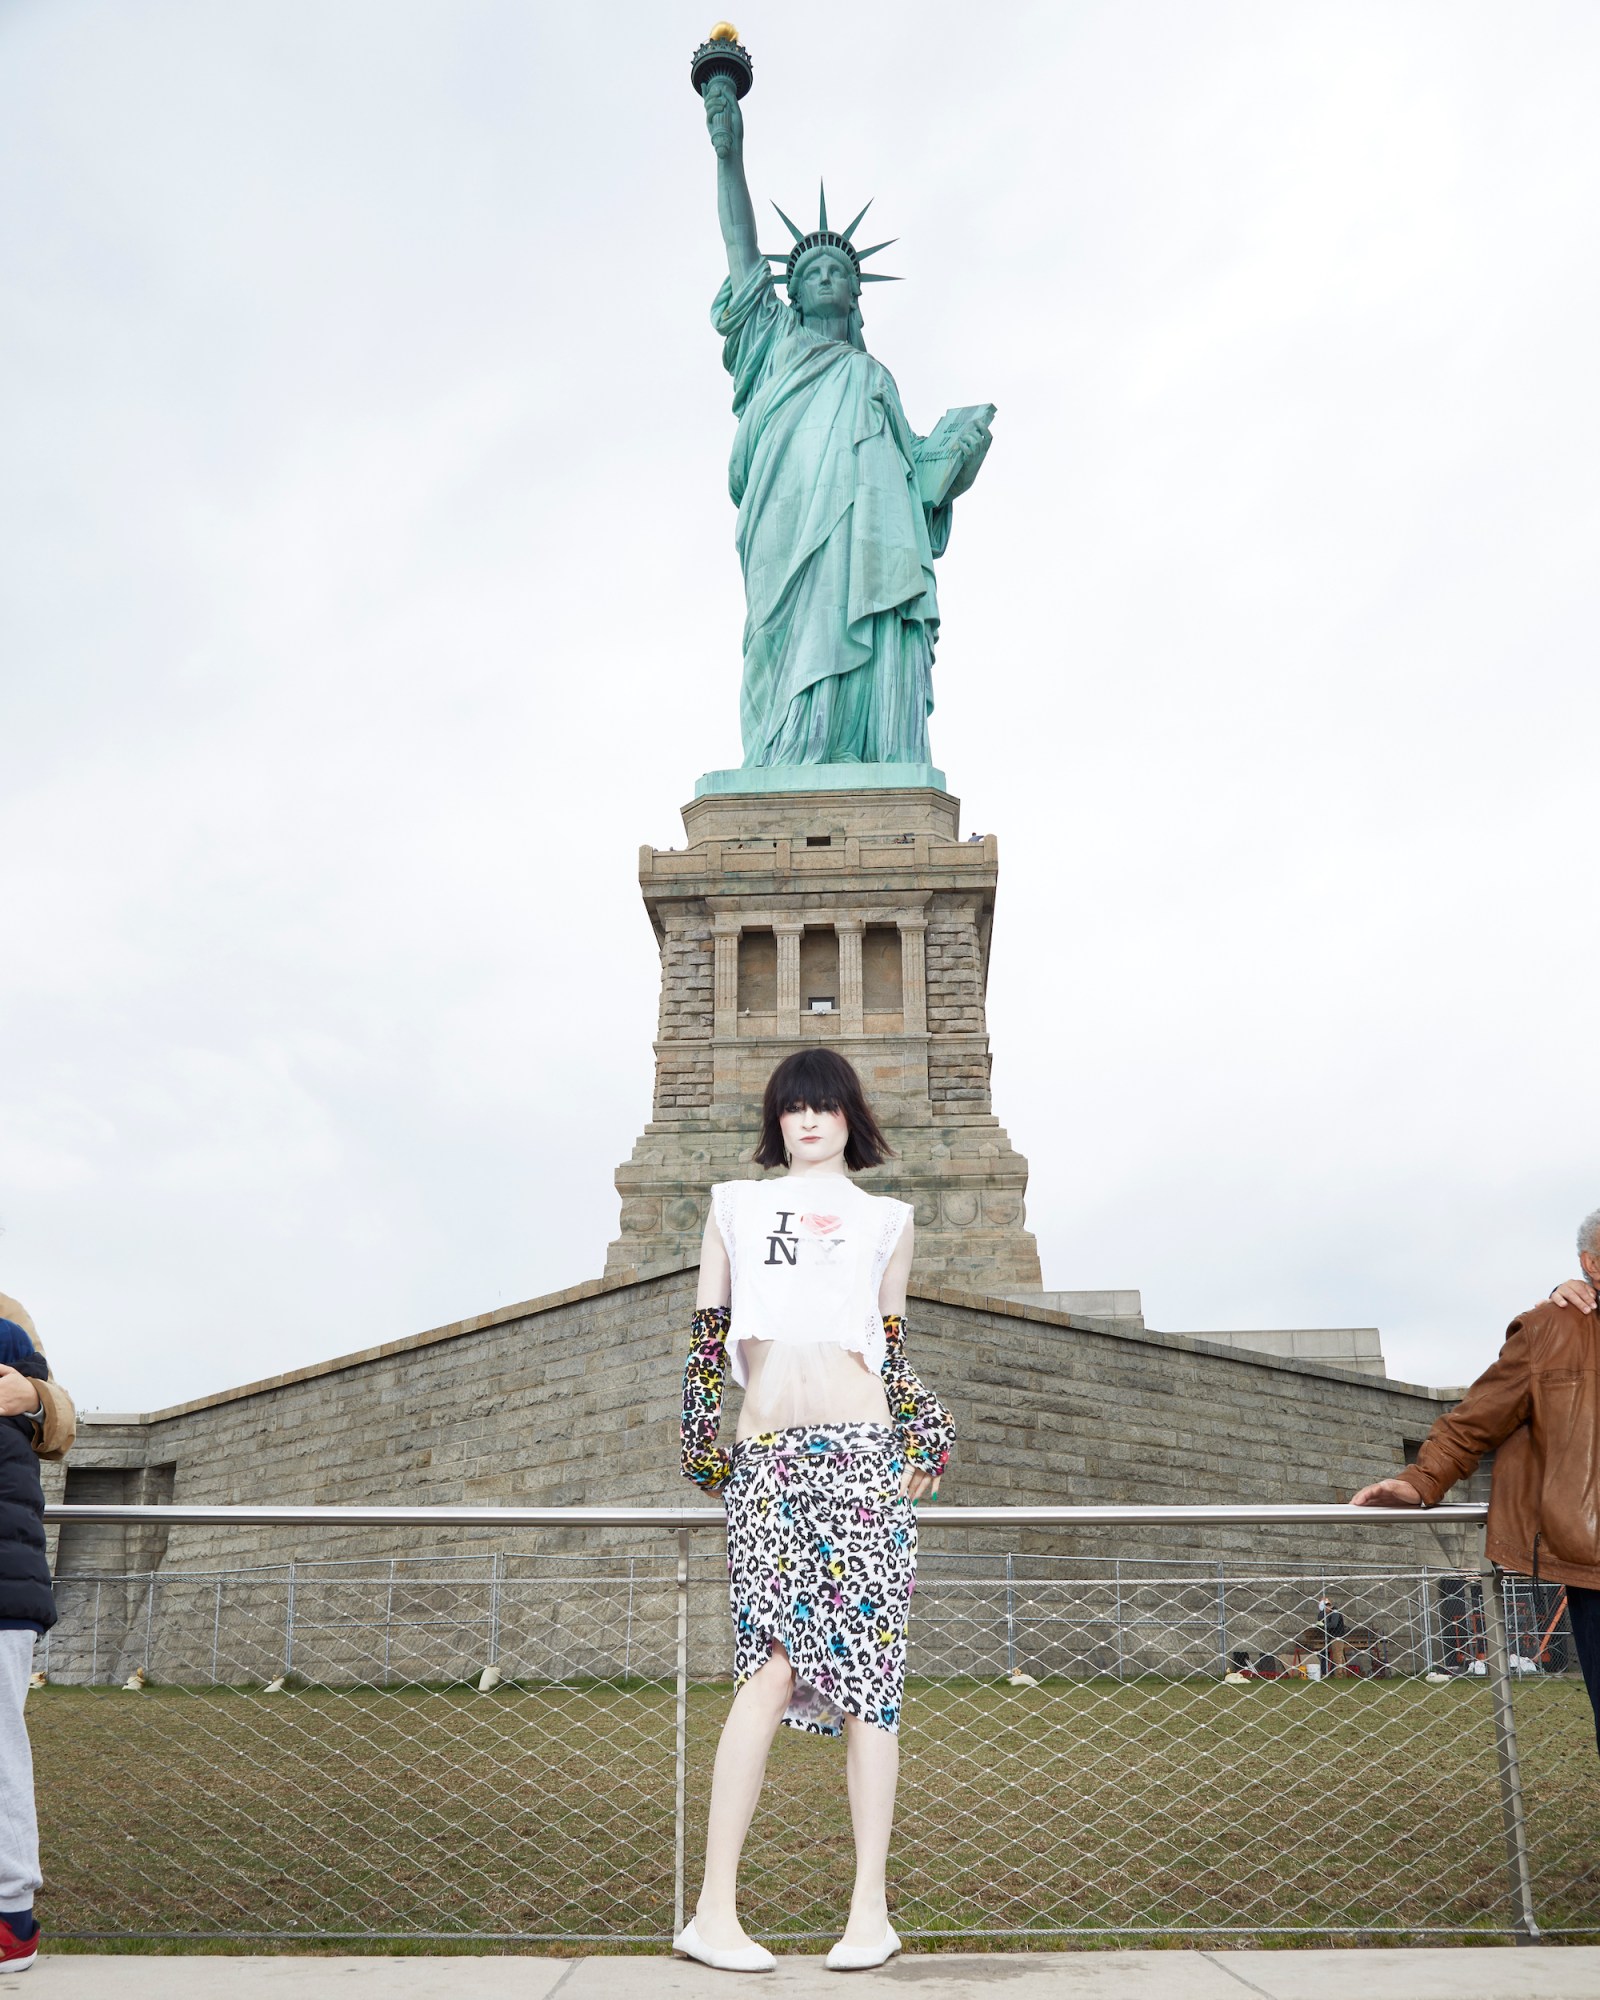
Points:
843	507
820	778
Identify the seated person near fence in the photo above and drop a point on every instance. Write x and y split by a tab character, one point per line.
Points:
802	1292
1331	1621
1537	1408
36	1419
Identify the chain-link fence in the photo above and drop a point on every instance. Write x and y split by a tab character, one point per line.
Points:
512	1742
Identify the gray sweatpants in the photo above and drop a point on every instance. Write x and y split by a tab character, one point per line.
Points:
19	1824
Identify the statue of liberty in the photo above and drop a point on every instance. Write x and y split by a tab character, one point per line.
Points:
842	507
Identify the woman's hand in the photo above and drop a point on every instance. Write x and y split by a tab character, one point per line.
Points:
919	1485
19	1393
1574	1292
724	119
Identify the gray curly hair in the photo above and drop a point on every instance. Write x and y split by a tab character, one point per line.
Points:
1589	1235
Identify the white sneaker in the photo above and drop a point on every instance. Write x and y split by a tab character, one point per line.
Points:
748	1958
859	1957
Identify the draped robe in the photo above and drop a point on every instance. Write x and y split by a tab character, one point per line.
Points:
836	545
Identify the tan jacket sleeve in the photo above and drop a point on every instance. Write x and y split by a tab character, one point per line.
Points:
58	1428
1485	1417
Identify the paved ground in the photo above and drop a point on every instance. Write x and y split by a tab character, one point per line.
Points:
1551	1972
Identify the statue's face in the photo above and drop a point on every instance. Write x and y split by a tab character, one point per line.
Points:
826	287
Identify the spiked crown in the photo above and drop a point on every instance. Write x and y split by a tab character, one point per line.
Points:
824	238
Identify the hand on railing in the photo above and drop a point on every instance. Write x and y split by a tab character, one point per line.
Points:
1387	1493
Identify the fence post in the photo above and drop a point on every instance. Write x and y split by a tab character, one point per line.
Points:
497	1572
1525	1928
149	1618
1011	1615
681	1743
288	1626
1122	1666
1222	1619
216	1632
94	1657
1433	1622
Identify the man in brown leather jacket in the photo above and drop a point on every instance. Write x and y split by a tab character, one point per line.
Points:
1537	1408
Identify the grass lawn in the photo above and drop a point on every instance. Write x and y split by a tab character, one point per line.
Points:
1100	1808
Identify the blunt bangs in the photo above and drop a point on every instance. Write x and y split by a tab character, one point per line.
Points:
824	1081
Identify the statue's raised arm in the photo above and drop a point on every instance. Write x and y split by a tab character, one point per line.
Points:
735	211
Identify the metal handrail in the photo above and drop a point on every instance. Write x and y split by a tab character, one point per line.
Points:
1467	1512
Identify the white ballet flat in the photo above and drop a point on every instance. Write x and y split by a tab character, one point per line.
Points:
748	1958
860	1957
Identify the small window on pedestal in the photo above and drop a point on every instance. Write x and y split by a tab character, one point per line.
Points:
821	1003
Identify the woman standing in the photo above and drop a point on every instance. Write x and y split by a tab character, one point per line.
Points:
802	1292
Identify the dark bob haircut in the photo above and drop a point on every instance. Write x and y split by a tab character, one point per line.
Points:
825	1082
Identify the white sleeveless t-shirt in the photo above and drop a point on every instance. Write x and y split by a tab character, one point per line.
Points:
807	1257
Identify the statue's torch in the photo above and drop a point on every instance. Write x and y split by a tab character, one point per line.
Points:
721	55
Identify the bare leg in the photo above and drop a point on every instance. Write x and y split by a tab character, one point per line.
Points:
735	1787
872	1770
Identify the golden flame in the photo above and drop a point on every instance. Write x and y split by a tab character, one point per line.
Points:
724	31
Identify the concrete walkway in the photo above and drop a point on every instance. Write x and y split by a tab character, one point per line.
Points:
1550	1972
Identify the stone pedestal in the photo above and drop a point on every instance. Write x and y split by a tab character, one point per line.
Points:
857	918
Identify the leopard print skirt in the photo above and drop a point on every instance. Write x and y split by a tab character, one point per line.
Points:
822	1558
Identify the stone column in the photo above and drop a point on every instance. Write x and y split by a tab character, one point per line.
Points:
914	973
725	977
848	931
788	933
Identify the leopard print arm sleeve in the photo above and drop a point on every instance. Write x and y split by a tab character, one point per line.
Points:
705	1461
922	1424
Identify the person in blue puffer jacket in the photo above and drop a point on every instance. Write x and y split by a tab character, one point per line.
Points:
36	1416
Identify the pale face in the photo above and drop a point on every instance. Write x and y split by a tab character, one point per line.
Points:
826	286
814	1138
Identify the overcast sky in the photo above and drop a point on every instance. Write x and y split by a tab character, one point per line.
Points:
369	596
